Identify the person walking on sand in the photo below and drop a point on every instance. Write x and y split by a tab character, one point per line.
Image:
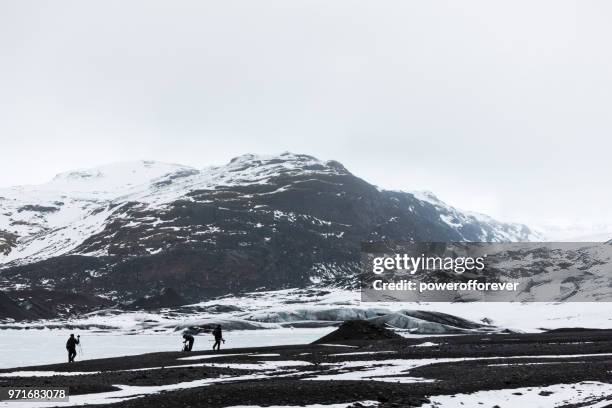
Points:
188	342
71	347
218	337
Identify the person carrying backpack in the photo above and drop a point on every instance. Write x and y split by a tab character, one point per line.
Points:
218	334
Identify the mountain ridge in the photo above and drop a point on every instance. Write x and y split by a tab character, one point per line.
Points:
129	229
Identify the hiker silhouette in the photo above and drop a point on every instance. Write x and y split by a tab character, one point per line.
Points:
218	337
71	347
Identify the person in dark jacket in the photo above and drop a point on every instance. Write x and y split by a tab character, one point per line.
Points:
218	337
188	342
71	347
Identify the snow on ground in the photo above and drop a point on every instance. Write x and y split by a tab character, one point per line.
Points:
426	344
588	392
259	365
49	346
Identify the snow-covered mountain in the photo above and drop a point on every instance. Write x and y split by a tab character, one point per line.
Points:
127	229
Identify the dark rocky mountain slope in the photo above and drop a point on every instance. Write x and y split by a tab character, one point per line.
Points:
132	229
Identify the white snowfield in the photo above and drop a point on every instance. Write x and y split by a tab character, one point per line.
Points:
54	218
49	347
591	393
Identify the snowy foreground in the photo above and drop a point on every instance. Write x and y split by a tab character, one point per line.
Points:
562	369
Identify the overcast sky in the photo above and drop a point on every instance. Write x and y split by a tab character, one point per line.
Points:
500	107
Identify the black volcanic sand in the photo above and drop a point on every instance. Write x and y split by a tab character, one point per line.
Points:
358	329
287	386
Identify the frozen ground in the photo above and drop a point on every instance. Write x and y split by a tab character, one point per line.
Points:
34	347
297	307
266	319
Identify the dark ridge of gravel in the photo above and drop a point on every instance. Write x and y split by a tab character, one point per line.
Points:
573	329
358	330
84	384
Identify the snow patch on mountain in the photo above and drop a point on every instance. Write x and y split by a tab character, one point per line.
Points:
457	219
113	178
